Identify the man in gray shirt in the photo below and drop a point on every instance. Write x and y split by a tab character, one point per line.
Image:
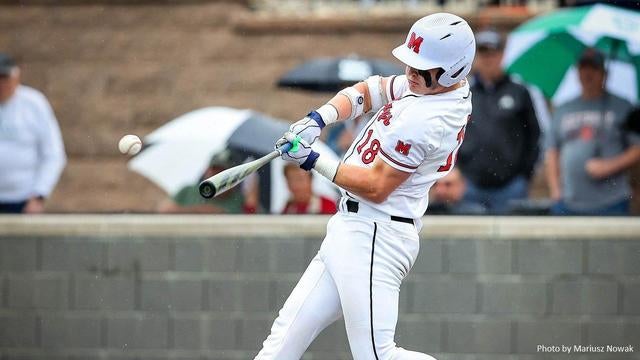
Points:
588	149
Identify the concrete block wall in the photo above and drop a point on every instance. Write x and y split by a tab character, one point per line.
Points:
96	294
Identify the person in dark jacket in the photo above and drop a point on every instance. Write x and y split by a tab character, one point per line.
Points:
501	147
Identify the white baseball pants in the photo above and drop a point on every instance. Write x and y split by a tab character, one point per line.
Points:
356	274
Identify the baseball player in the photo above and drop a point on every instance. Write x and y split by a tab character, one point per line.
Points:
385	176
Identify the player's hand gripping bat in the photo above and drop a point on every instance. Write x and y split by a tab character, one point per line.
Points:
219	183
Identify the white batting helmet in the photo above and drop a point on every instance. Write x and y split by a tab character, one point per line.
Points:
440	40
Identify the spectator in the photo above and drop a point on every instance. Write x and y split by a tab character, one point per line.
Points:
447	197
233	201
589	148
32	153
500	149
302	199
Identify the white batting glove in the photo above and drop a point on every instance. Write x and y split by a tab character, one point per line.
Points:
300	152
309	127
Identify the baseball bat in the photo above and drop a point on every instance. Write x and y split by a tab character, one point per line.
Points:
221	182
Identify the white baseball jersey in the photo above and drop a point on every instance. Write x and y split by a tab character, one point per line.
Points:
416	134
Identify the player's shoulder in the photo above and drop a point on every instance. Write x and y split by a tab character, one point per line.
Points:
451	104
31	96
619	103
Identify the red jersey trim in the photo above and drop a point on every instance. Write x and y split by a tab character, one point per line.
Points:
396	161
393	96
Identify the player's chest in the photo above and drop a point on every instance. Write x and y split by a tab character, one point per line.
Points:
381	129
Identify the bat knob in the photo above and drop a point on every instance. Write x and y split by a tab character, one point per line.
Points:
207	190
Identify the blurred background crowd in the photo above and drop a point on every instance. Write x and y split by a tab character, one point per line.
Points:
211	84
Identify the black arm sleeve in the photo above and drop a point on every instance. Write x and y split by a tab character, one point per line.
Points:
532	136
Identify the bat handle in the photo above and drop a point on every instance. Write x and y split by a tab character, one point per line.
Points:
284	148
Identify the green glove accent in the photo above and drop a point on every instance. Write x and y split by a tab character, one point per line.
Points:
295	145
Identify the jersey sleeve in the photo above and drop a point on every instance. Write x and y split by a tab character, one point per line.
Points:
406	145
396	86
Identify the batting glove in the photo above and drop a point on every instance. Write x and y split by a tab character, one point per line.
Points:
300	152
309	128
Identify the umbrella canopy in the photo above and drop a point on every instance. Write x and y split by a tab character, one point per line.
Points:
333	74
177	154
543	51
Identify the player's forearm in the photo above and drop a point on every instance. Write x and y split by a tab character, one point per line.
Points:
361	181
553	172
625	160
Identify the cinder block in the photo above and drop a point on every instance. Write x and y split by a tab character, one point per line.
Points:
549	257
514	297
631	332
254	256
72	255
225	295
312	248
223	255
288	256
224	334
333	338
480	336
97	292
444	295
255	296
419	335
189	256
604	333
70	332
132	257
174	294
531	333
283	289
429	258
614	257
484	256
631	298
137	332
189	333
253	333
18	254
586	297
18	330
43	291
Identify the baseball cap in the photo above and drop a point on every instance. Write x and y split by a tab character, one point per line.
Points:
489	40
592	57
6	64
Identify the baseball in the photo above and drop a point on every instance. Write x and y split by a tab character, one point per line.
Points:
130	144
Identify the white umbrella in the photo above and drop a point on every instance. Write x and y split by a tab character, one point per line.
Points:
177	154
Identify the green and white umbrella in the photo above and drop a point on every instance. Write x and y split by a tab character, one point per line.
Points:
544	50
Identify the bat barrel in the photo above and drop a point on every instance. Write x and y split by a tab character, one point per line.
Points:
207	189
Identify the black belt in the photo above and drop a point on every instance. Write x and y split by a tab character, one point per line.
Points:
353	206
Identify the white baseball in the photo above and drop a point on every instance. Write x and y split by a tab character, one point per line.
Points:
130	144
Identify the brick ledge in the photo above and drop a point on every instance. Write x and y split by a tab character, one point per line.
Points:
240	226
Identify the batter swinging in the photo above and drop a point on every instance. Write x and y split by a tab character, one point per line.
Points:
372	242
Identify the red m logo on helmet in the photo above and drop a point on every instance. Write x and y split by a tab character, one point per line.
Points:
403	148
414	43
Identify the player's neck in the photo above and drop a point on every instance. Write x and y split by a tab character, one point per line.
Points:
442	89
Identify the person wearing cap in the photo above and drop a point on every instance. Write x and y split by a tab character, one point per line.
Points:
589	147
234	201
32	154
500	151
